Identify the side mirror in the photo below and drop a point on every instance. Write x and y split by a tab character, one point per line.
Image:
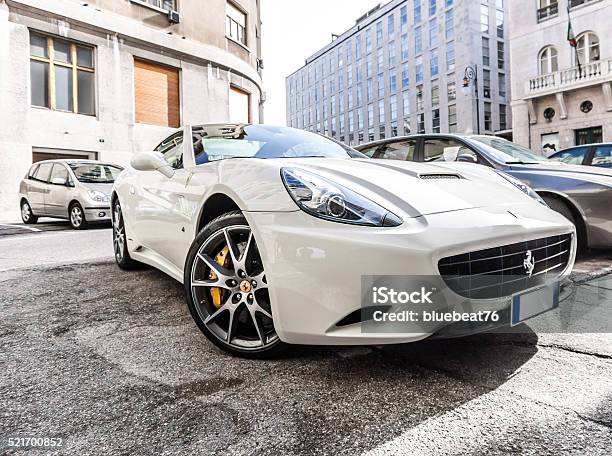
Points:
152	161
59	181
467	157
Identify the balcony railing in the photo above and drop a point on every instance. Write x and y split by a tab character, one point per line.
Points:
548	11
570	78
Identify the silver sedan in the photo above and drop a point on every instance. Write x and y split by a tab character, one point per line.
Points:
76	190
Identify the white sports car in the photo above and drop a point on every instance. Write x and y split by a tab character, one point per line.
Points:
271	229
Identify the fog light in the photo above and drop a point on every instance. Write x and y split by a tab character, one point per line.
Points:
101	214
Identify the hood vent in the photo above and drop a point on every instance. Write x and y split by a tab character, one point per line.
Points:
439	176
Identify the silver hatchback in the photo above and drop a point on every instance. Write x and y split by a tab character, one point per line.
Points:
76	190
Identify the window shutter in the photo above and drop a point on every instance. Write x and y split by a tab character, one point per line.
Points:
157	94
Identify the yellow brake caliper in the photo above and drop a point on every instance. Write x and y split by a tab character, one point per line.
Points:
217	293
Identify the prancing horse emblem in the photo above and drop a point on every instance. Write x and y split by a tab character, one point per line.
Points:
529	263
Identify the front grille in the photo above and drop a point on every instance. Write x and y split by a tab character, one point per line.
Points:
440	176
503	271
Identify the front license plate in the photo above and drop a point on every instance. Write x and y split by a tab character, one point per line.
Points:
534	303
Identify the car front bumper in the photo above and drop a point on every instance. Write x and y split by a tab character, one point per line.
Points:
97	213
314	268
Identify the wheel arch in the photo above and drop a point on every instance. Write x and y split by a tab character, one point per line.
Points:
576	211
214	206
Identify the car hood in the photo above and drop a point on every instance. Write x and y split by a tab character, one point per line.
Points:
580	172
417	188
104	188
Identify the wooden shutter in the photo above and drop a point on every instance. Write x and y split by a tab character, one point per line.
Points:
157	94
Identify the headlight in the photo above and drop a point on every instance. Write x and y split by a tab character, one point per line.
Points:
98	196
526	189
327	200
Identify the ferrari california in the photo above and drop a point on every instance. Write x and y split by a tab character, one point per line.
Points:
271	230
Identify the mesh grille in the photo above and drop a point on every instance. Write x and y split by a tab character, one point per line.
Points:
504	271
439	176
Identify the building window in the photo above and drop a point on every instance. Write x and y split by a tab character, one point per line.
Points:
359	94
451	91
486	84
381	111
391	54
239	105
235	24
420	123
547	9
452	118
351	122
548	60
368	40
503	123
340	58
392	82
405	75
369	71
157	92
393	107
435	95
418	40
575	3
166	5
381	130
370	115
391	26
62	75
484	17
587	50
449	24
432	7
417	11
360	118
418	68
404	47
502	85
450	56
419	98
406	103
407	129
434	68
380	60
435	120
379	34
433	33
487	117
394	129
370	89
486	53
499	23
381	85
349	76
403	19
501	55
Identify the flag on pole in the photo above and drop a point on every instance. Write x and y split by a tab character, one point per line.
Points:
571	38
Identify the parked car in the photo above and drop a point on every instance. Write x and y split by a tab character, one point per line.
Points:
270	230
580	193
589	155
76	190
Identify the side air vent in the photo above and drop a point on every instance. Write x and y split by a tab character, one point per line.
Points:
440	176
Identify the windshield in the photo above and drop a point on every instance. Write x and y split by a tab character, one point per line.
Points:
94	173
508	152
216	142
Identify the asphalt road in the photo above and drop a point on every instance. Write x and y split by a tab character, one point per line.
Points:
112	363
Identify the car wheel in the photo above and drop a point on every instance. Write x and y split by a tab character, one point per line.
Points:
122	255
77	217
562	208
227	292
27	215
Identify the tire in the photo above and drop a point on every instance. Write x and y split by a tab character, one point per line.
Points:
562	208
226	289
27	215
120	248
76	216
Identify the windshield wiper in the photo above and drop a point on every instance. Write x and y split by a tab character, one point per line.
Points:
521	163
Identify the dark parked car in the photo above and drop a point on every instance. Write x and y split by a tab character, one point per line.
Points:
588	154
581	193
